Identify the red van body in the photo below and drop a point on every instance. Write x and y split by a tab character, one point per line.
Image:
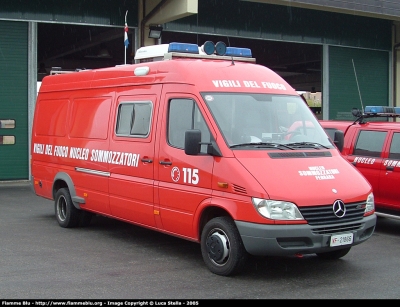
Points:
201	147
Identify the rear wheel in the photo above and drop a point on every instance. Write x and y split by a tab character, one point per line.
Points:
66	214
334	254
222	247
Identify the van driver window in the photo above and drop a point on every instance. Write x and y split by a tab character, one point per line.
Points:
134	119
394	152
370	143
184	115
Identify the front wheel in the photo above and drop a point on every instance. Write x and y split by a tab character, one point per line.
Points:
222	248
67	215
334	254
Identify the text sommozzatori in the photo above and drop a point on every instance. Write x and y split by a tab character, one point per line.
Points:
320	173
94	155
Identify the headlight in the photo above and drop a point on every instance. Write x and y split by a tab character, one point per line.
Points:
277	209
370	205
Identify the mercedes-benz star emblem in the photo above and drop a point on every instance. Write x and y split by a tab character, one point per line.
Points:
339	208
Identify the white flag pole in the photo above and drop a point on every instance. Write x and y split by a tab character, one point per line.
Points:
125	35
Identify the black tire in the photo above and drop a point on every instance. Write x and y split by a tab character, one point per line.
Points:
333	255
222	247
66	214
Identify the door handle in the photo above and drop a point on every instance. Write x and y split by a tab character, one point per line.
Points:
146	160
165	163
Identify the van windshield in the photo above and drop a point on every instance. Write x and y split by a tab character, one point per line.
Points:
246	119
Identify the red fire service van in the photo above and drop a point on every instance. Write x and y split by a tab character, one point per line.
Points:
200	143
373	147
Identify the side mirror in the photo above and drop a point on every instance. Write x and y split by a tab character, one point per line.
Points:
192	142
339	139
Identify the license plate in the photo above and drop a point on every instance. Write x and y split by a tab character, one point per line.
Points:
342	239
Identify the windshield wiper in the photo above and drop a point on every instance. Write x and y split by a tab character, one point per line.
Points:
263	145
307	144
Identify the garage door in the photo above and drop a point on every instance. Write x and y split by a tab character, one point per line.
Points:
364	83
14	101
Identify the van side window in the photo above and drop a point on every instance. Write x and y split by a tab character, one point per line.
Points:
369	143
394	152
184	115
134	119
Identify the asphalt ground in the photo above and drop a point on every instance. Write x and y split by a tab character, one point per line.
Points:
112	260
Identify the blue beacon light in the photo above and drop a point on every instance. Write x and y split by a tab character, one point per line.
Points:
183	47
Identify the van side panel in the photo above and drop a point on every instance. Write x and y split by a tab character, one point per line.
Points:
88	132
132	178
66	131
50	124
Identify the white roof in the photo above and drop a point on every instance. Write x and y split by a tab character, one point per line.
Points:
151	51
156	51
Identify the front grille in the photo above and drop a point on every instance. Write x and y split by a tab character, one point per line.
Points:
324	215
337	229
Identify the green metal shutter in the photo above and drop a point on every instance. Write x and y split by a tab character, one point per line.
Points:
14	163
83	12
372	71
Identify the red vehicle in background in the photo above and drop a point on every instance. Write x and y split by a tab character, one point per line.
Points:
373	147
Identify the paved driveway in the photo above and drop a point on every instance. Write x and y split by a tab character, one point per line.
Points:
115	260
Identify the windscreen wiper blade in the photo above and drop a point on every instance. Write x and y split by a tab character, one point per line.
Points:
307	145
262	145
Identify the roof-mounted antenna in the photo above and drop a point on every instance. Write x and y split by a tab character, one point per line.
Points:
359	93
229	44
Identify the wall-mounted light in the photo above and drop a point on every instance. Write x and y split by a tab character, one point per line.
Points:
155	31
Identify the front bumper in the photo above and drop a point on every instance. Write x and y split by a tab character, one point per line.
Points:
281	240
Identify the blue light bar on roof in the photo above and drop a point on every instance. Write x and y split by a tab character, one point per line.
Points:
183	47
238	52
382	110
373	109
